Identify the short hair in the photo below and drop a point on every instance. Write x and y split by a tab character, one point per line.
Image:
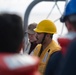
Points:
51	36
11	32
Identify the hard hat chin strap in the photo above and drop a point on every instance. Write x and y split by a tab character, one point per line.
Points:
41	50
43	38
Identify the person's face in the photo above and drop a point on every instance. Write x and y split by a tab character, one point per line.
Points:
39	37
32	37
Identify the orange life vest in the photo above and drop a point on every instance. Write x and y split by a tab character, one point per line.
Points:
15	64
64	41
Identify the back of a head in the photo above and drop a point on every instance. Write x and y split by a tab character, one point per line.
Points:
31	27
11	32
69	11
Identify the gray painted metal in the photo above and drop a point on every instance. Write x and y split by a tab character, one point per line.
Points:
52	0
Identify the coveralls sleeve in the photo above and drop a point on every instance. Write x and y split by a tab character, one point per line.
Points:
53	63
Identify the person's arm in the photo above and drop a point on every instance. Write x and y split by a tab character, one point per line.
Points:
68	67
53	63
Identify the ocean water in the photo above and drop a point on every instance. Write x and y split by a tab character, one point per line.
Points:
39	12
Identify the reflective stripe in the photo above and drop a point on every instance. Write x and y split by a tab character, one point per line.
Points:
36	48
18	61
45	57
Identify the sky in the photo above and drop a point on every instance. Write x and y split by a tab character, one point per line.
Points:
38	13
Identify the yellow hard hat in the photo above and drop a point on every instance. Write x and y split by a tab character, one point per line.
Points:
46	26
